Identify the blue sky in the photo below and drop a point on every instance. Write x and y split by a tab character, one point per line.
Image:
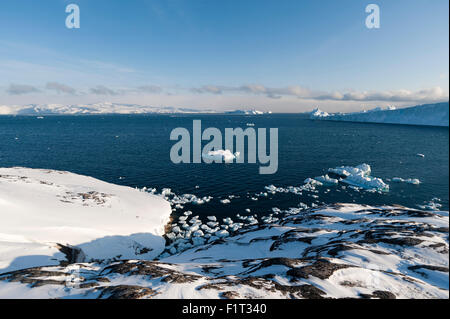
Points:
285	55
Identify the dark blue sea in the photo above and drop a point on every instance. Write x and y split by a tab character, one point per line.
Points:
134	150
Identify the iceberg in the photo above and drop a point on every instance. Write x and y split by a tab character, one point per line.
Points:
317	113
428	114
359	176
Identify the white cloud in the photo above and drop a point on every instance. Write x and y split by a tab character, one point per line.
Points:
425	95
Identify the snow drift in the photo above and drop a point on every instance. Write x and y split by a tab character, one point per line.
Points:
45	212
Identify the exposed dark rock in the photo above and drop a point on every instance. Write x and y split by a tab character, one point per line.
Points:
73	254
151	269
180	278
321	268
35	277
379	294
304	291
126	292
88	285
311	292
229	295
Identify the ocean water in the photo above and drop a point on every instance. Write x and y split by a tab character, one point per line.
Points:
134	150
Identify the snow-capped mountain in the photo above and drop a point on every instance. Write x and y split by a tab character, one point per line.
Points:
248	112
107	108
428	114
97	108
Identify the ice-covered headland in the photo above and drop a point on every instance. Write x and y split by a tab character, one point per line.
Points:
64	235
427	114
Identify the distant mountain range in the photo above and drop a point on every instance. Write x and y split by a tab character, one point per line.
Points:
428	114
106	108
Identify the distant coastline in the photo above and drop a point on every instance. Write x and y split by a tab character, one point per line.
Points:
428	114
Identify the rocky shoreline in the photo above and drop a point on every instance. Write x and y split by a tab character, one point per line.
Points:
333	251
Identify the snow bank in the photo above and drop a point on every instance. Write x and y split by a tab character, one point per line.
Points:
41	209
427	114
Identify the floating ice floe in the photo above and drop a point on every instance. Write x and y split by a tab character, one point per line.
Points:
346	171
220	156
414	181
359	176
432	205
326	180
179	200
313	182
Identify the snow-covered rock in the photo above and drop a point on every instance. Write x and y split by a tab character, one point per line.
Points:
334	251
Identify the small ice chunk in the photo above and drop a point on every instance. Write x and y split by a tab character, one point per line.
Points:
312	181
326	180
222	233
176	229
228	221
197	233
